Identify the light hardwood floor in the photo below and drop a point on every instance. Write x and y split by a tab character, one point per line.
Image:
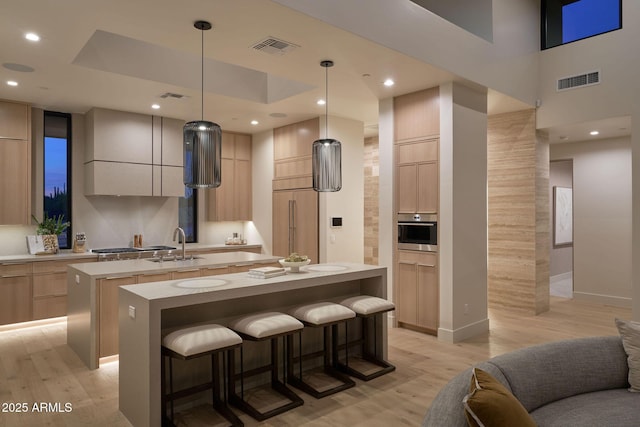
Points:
37	366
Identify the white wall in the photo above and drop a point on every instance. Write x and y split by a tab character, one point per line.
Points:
602	218
462	219
508	65
344	243
260	229
612	54
387	226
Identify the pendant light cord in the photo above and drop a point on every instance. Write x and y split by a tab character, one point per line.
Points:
326	103
202	75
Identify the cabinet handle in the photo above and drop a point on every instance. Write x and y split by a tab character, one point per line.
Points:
406	263
119	277
187	271
426	265
10	276
293	241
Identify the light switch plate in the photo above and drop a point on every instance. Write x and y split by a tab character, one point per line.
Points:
132	312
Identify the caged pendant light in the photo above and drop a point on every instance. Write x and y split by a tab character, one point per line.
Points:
202	141
327	153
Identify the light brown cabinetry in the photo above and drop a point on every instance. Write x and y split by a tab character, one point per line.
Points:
15	292
417	292
153	277
214	271
295	223
417	177
15	163
108	317
232	200
292	146
187	273
49	289
417	115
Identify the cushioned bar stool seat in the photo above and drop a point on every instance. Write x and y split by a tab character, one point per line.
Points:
320	315
260	327
366	308
194	342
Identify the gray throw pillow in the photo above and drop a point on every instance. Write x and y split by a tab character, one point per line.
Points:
630	333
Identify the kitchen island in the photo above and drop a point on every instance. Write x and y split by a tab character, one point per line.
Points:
148	311
92	293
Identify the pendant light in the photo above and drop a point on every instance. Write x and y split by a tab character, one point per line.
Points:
202	141
327	152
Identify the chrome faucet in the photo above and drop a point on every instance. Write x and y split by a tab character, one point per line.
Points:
175	234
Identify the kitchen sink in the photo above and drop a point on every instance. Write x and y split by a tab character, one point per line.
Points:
201	283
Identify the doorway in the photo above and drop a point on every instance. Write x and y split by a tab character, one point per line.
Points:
561	252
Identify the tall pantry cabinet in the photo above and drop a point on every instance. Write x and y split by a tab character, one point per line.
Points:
295	203
416	141
15	163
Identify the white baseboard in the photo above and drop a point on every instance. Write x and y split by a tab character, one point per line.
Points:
466	332
603	299
561	276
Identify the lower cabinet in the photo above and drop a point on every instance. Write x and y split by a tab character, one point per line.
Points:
15	299
153	277
185	274
417	291
108	317
213	271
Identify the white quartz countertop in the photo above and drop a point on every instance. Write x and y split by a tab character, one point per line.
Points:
67	254
142	266
237	285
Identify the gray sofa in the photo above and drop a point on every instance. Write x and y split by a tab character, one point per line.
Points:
577	382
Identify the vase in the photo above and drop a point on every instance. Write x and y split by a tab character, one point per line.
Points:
50	242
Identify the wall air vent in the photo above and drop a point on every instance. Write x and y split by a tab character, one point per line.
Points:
172	95
581	80
274	46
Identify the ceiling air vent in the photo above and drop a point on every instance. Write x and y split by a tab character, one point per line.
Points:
172	95
274	46
581	80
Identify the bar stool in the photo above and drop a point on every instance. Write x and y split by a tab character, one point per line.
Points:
261	327
367	308
192	343
320	315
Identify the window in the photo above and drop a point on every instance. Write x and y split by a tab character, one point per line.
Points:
57	170
188	214
565	21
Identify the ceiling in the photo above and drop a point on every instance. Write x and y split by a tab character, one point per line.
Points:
125	55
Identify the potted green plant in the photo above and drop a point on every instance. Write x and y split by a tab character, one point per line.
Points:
50	228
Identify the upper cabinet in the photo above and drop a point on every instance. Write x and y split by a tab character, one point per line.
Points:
417	115
15	120
131	154
417	177
15	163
118	136
232	200
292	146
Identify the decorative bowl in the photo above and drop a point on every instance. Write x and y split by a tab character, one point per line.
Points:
294	266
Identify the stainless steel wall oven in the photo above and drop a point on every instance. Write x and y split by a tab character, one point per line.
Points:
418	232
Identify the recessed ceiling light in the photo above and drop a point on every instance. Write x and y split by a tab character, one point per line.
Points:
389	82
155	106
254	122
594	132
12	83
321	102
32	37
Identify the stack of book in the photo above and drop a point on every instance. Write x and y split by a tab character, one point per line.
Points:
266	272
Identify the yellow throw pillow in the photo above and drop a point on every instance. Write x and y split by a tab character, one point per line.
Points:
490	404
630	334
